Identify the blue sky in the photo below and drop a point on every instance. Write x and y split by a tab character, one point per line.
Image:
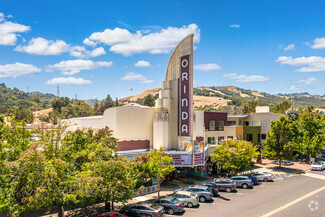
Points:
95	48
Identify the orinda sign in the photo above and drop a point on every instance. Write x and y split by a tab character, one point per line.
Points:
184	102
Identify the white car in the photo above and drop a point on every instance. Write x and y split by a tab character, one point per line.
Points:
318	165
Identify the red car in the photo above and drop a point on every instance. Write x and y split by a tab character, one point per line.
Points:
111	214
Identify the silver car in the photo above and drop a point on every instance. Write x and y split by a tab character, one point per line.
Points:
243	181
262	176
203	192
189	199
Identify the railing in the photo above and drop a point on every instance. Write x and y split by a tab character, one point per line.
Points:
147	190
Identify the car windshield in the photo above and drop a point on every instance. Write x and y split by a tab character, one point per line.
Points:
154	206
317	163
193	195
174	201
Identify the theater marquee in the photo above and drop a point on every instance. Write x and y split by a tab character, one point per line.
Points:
184	99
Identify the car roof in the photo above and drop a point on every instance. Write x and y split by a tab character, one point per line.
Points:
184	192
239	177
223	180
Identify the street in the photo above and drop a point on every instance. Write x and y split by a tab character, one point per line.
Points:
289	195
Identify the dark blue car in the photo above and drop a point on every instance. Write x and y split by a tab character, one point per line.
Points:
254	179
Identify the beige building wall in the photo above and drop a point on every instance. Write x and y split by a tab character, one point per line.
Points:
228	133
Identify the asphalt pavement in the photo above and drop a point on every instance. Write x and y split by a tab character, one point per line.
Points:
289	195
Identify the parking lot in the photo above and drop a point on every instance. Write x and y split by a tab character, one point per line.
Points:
287	195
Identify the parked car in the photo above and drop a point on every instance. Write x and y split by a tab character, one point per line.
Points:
189	199
170	204
203	192
143	209
322	154
227	185
320	165
262	176
111	214
212	186
243	181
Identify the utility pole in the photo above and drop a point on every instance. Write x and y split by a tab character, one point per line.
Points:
58	91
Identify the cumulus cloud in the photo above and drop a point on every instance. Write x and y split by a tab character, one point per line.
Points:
9	30
81	52
246	78
71	67
142	63
68	81
319	43
18	70
89	42
122	41
132	76
289	47
207	67
41	46
235	26
311	64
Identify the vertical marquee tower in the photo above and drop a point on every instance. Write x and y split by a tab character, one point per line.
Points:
173	120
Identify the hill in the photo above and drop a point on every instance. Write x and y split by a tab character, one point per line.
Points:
14	98
221	97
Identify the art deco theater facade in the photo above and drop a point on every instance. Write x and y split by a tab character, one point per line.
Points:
171	124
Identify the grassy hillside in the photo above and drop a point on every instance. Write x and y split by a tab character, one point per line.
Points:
14	98
230	98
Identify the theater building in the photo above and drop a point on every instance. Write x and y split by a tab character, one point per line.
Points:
171	124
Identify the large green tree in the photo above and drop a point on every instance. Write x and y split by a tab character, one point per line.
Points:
234	155
279	142
155	165
311	132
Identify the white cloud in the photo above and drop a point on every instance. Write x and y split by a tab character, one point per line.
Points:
207	67
142	63
312	63
246	78
132	76
2	17
89	42
126	43
18	70
9	30
235	26
71	67
319	43
41	46
81	52
307	81
69	81
289	47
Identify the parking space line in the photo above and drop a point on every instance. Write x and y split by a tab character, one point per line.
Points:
293	202
313	175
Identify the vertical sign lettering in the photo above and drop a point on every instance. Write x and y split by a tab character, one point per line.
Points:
184	97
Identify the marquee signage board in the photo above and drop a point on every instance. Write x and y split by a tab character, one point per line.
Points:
184	100
181	159
198	159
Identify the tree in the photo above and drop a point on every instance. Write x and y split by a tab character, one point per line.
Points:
234	155
250	107
311	135
280	143
149	100
157	166
282	107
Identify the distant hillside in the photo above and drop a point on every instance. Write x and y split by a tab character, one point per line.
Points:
14	98
231	96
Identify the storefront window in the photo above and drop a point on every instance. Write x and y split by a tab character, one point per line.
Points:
220	139
211	140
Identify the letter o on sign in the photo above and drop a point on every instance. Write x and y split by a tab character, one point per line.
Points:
184	63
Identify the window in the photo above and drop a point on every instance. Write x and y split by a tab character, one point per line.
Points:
249	137
246	123
221	125
239	137
254	123
263	136
220	138
212	125
263	123
259	138
230	137
211	140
